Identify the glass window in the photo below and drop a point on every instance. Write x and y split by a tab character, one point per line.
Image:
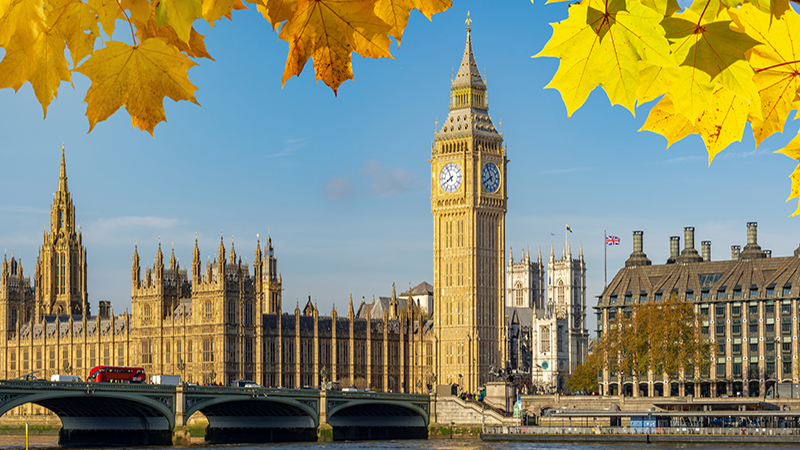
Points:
704	310
628	298
753	309
770	369
737	369
720	329
786	308
786	347
720	369
753	349
769	309
658	297
689	295
736	310
704	295
736	348
753	328
720	310
787	290
753	372
753	292
642	298
720	294
613	299
721	349
736	329
770	328
770	291
770	346
737	293
787	369
786	327
705	331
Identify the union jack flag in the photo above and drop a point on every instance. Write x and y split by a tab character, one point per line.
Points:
612	240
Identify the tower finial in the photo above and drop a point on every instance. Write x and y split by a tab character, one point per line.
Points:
468	22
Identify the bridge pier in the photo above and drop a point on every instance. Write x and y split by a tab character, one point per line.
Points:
324	430
181	436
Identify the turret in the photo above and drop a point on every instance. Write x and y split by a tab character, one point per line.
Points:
136	272
196	263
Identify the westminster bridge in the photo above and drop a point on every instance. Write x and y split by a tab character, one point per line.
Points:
146	414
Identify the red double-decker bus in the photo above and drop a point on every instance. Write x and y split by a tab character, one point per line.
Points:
115	374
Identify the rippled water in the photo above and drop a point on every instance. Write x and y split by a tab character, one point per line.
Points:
44	442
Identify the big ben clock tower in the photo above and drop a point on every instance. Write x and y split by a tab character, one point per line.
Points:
468	202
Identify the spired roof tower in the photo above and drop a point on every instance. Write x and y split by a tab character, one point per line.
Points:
468	202
61	263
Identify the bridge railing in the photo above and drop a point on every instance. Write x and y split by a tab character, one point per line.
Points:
713	431
82	385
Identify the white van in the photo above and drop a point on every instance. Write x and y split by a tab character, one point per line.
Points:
67	378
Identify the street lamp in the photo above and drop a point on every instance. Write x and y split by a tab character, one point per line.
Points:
181	368
212	376
324	374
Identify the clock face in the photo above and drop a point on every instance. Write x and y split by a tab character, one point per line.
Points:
490	177
450	177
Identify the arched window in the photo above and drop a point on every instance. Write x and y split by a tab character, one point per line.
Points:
147	312
231	312
248	313
560	292
208	309
518	292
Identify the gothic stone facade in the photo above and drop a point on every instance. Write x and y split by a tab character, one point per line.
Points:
222	324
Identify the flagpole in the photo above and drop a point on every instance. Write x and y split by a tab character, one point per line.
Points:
605	260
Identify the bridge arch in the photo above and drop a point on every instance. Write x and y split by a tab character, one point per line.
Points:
91	417
386	419
256	418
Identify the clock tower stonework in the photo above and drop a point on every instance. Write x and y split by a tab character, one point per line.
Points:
468	202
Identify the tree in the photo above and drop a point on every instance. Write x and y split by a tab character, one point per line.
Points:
584	378
662	337
714	66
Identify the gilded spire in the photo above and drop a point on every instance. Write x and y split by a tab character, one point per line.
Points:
62	178
468	73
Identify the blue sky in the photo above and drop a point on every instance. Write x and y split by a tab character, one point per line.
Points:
342	182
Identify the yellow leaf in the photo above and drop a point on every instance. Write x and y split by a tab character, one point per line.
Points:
601	44
43	65
23	18
776	65
214	10
663	7
664	121
196	47
139	10
108	11
76	23
179	14
711	46
724	123
137	78
654	80
792	150
329	31
396	12
276	11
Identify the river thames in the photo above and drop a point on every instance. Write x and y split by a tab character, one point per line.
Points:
45	442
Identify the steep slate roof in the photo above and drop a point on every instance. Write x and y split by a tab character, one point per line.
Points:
712	276
423	288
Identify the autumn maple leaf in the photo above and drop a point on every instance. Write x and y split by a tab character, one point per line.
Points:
396	12
138	78
792	150
329	31
776	65
601	44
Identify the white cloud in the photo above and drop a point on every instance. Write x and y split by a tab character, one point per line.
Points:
291	146
338	187
126	228
572	169
385	181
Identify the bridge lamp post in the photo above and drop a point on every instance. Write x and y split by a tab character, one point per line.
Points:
181	368
324	373
67	368
391	382
212	375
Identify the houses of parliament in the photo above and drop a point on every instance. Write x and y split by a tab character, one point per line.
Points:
225	321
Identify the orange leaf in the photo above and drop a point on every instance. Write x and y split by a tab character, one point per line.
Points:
137	78
329	31
396	12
